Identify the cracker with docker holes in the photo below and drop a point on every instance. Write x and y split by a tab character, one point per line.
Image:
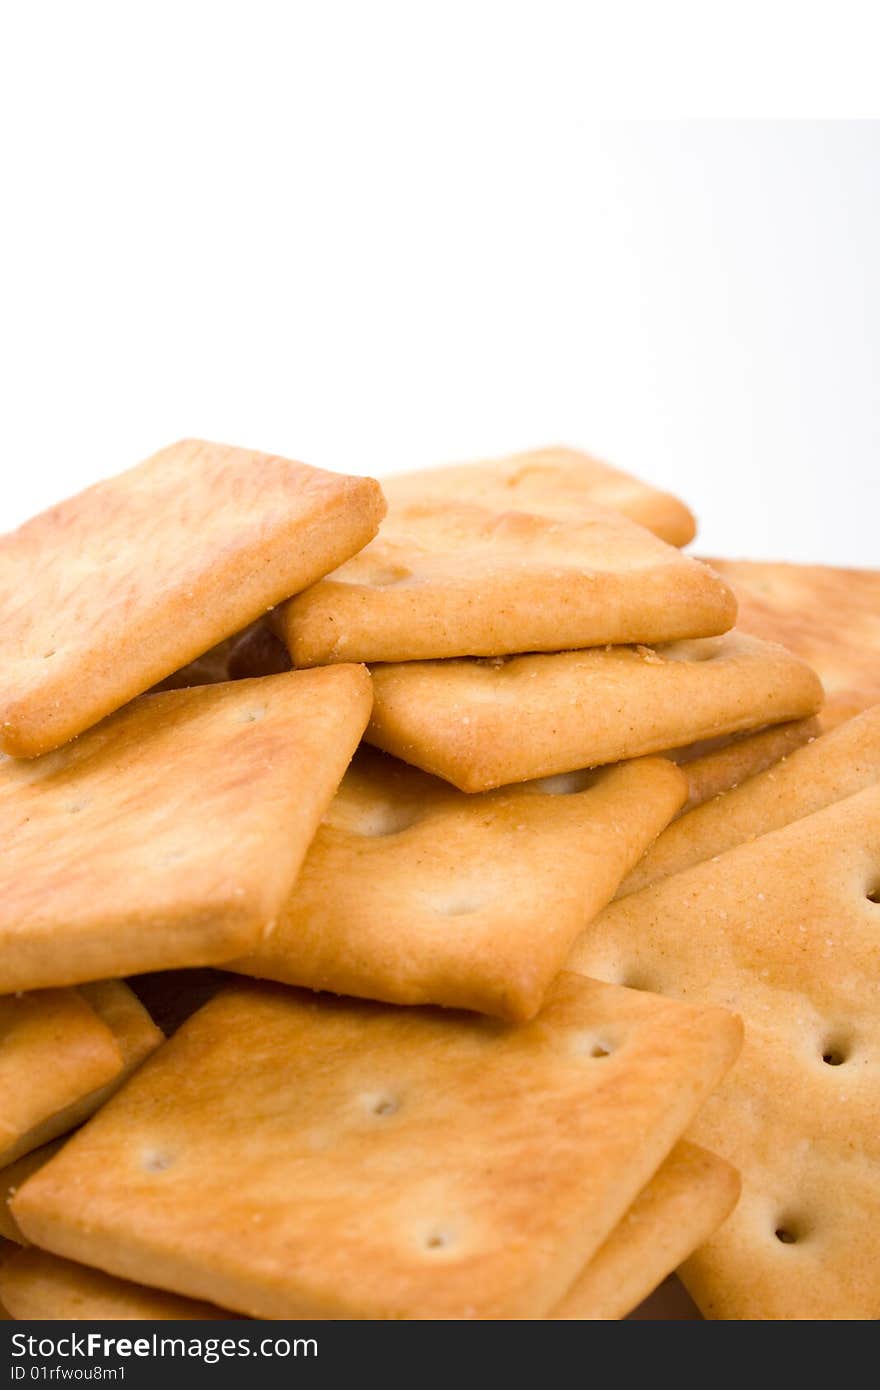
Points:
481	724
834	766
830	617
414	893
686	1200
784	930
62	1053
112	590
172	833
291	1156
550	482
448	579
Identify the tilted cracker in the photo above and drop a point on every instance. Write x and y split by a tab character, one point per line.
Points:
481	724
39	1287
687	1199
839	763
828	616
116	588
55	1051
550	482
415	893
783	929
170	834
57	1062
713	766
448	579
685	1202
12	1175
286	1155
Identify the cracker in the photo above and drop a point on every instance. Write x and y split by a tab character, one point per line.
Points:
685	1202
12	1175
841	762
63	1053
414	893
292	1156
784	929
112	590
55	1052
171	834
713	766
828	616
447	579
550	482
481	724
37	1286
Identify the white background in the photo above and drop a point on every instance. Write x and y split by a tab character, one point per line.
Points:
376	236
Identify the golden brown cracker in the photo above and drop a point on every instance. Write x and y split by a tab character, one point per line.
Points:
482	724
38	1287
170	834
113	590
555	481
839	763
415	893
286	1155
450	579
784	930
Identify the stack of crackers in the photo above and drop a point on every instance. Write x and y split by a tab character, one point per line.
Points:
432	905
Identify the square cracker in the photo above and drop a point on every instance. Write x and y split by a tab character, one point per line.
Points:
481	724
550	482
39	1287
62	1053
830	617
785	930
54	1051
112	590
415	893
836	765
293	1156
713	766
685	1202
170	834
452	578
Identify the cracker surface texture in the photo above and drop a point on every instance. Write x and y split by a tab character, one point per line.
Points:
113	590
288	1156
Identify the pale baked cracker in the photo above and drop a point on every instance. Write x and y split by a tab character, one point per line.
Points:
828	616
784	930
62	1053
685	1202
415	893
114	589
286	1155
555	481
452	578
39	1287
171	834
839	763
481	724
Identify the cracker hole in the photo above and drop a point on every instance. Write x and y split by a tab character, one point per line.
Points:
597	1050
382	578
385	820
74	807
385	1105
457	907
250	716
790	1231
49	653
835	1054
874	893
437	1240
155	1162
